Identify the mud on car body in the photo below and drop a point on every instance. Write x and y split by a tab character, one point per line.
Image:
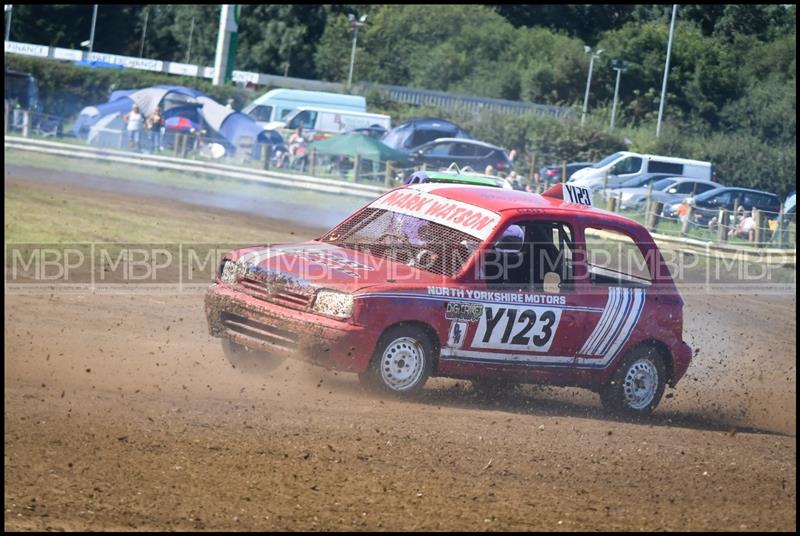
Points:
497	286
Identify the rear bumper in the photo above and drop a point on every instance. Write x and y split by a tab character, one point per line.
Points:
261	325
681	358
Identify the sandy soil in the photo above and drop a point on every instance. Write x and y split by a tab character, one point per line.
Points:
121	413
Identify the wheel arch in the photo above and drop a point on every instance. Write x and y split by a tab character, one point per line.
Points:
426	328
662	349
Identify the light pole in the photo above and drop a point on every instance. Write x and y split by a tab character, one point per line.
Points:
144	29
666	71
8	8
589	81
91	36
618	66
354	26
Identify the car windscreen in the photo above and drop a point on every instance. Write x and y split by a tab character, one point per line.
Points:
607	160
418	242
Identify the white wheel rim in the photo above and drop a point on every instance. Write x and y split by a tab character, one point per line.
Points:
402	363
640	384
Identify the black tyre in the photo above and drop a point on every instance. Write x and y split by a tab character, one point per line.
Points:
402	361
251	361
637	385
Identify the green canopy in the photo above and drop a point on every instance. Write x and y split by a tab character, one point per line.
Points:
353	144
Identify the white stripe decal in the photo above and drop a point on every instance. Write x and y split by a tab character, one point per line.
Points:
627	329
613	321
623	315
604	319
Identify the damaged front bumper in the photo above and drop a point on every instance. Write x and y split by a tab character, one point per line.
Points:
262	325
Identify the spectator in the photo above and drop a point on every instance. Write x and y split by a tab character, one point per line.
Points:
537	179
135	122
512	157
155	126
489	170
230	103
746	226
683	209
514	180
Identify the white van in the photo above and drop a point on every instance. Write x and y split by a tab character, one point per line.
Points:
320	122
625	165
277	104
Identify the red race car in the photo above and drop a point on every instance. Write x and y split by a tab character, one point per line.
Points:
498	286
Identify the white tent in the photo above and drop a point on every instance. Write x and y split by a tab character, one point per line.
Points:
109	131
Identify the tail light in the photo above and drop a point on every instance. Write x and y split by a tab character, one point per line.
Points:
500	165
551	172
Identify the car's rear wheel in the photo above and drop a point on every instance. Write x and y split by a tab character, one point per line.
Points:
248	360
637	385
402	361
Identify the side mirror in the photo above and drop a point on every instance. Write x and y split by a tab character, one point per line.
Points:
552	283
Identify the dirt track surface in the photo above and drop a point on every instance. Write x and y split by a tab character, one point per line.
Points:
121	413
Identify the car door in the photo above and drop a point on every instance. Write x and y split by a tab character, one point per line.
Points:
617	276
528	315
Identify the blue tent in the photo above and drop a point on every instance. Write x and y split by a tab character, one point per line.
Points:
413	133
97	64
228	126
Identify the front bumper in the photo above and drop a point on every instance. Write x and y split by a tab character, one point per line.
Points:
261	325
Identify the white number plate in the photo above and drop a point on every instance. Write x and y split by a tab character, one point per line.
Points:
516	327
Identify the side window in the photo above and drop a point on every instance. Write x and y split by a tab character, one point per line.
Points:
722	200
462	149
283	113
686	188
631	164
527	252
305	119
440	149
657	166
261	113
701	187
614	259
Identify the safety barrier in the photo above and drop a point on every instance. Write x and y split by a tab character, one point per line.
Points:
195	166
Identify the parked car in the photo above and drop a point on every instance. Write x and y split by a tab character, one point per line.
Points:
415	132
442	152
707	205
500	287
552	173
667	190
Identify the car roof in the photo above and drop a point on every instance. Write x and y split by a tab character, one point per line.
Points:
467	141
722	189
500	200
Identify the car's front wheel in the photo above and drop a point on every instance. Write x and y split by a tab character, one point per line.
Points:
637	385
248	360
402	361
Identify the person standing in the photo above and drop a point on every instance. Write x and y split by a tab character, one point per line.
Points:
155	126
135	123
